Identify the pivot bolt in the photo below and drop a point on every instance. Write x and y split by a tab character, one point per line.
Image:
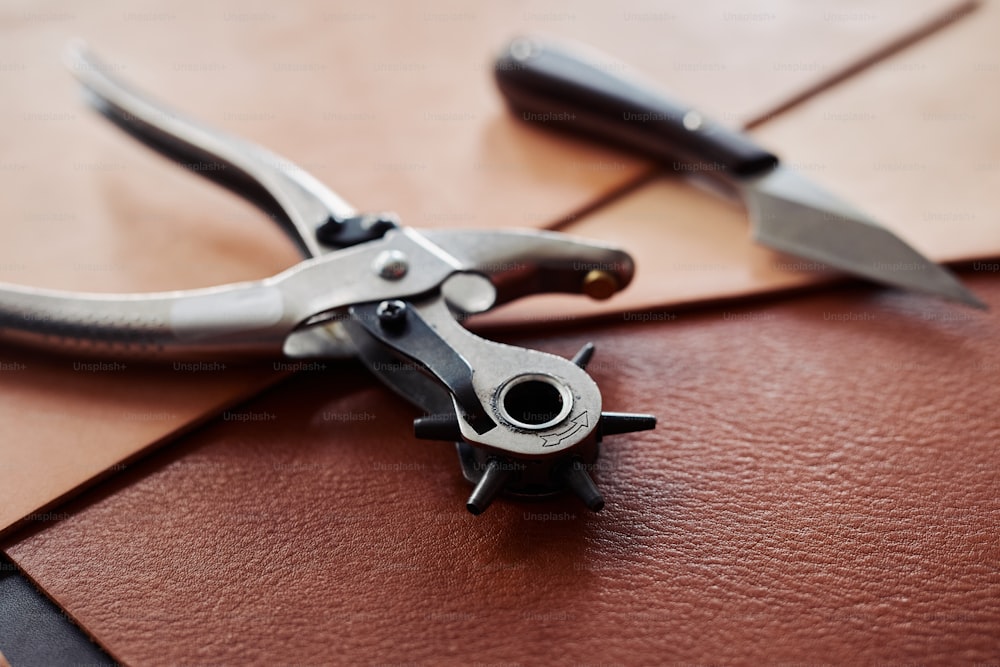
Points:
391	265
391	314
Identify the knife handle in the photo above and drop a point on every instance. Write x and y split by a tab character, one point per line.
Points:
560	87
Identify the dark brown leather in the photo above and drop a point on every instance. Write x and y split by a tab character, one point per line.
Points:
822	488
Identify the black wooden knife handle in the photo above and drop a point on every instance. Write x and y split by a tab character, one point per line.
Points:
557	86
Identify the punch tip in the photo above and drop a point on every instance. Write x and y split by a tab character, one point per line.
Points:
579	481
583	357
489	486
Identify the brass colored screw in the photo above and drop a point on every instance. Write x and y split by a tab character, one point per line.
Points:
599	284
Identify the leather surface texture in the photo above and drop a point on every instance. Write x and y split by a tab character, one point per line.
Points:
71	419
821	488
390	103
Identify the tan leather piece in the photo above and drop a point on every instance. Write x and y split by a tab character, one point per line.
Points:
821	488
68	420
390	104
912	141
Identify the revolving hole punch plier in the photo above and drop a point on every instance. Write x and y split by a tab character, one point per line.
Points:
525	422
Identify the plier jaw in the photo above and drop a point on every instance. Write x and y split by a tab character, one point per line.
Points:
524	421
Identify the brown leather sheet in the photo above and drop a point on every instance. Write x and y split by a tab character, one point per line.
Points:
70	420
389	102
821	488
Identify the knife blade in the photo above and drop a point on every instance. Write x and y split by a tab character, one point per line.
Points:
572	88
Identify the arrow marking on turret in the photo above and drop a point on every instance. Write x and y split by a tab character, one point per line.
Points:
576	424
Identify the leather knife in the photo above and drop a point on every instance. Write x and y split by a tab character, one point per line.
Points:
572	88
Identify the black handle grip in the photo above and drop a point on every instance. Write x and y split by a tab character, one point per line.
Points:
554	86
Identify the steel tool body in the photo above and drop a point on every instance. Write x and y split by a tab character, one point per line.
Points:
525	422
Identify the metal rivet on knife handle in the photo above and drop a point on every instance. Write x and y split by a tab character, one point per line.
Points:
600	284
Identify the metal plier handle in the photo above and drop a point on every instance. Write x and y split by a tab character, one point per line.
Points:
525	422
